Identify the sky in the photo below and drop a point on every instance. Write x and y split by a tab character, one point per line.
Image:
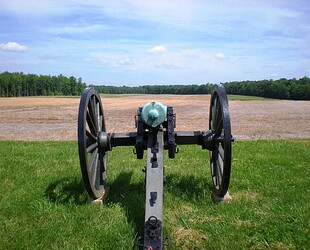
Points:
138	42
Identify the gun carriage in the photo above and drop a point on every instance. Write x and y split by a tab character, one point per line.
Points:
155	132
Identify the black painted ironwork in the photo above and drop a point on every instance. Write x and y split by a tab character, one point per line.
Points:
170	132
94	143
140	143
153	234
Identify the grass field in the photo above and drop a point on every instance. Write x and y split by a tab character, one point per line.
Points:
230	97
43	204
247	98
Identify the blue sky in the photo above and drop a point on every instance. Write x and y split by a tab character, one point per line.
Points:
136	42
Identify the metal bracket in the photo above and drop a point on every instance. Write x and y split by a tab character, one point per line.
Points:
153	233
207	140
139	139
153	198
170	132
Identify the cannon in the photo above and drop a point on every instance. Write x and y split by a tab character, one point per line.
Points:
155	132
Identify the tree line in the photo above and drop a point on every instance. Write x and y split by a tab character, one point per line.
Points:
19	84
290	89
192	89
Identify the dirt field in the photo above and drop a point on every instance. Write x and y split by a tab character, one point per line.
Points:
56	118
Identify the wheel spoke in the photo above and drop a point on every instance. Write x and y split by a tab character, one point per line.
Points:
221	151
98	117
91	124
91	162
102	168
219	166
216	110
213	113
95	110
91	105
92	147
94	170
100	123
98	174
219	127
219	118
90	137
213	160
218	180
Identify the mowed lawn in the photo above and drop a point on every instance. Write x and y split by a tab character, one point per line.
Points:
43	204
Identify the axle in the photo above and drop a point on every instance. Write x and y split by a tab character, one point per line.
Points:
200	138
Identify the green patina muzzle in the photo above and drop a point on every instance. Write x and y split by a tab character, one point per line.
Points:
154	114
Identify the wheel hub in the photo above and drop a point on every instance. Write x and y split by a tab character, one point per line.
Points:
103	142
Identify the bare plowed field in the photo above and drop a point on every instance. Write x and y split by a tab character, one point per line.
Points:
56	118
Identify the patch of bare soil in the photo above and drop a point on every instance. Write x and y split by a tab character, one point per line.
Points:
51	118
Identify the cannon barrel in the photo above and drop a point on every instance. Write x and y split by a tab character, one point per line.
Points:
154	114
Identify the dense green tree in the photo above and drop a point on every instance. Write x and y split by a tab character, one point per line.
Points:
279	89
20	84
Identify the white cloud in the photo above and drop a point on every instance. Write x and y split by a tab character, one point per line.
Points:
78	29
13	46
109	59
125	61
220	56
35	8
168	66
160	49
271	64
99	57
274	75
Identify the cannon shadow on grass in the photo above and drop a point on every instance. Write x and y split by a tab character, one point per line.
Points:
67	191
130	196
191	188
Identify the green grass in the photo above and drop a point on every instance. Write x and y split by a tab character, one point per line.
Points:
247	98
43	204
230	97
119	95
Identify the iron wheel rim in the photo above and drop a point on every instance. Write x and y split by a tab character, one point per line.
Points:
93	162
220	157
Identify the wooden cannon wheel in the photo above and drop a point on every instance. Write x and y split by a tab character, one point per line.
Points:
220	157
92	143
